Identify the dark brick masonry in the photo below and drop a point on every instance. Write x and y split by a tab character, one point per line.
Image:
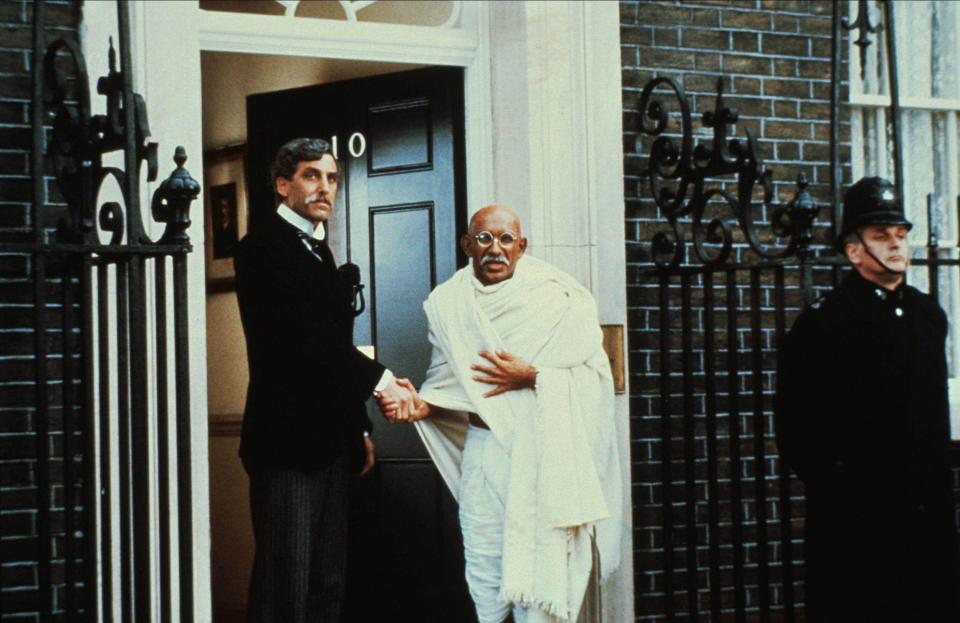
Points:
19	543
774	56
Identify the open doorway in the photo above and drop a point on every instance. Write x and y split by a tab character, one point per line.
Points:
400	144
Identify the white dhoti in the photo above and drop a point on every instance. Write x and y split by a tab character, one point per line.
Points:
484	476
564	491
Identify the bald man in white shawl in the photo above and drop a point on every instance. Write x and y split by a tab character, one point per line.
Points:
533	461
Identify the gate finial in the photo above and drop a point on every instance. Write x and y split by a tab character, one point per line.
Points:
862	23
171	201
802	210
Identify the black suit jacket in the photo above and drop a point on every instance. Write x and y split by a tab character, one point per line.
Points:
308	382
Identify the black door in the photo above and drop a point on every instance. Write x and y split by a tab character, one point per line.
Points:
399	141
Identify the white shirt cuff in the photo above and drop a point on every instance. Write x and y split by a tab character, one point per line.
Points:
385	380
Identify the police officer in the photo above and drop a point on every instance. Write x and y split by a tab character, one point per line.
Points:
861	416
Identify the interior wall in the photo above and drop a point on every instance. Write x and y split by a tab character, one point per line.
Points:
227	80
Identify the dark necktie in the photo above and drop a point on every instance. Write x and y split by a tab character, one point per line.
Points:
318	247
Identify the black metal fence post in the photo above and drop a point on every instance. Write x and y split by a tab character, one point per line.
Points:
933	242
666	452
141	457
91	486
759	446
689	448
786	498
836	41
893	81
184	446
736	462
712	457
39	260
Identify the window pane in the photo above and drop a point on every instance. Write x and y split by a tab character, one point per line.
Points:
944	53
914	21
884	134
919	172
874	75
927	46
945	180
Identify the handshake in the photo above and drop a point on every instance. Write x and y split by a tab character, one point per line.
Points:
400	402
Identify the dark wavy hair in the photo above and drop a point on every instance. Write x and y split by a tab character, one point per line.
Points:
293	153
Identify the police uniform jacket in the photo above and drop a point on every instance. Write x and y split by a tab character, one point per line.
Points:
861	416
308	383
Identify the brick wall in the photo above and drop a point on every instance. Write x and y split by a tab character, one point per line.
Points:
19	544
774	57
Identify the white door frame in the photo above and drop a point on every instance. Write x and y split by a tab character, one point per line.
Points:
292	36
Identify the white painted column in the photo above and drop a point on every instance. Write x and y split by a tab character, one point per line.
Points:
558	161
171	87
557	147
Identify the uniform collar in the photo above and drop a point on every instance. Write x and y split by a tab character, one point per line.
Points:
874	291
302	224
875	302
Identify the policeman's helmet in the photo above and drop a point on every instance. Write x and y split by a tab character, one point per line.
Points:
871	201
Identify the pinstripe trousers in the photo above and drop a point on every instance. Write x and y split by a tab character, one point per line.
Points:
300	532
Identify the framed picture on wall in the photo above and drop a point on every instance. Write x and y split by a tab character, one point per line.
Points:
225	210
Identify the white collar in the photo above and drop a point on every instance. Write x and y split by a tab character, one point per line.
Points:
287	214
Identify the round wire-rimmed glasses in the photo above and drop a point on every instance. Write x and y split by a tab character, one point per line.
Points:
485	239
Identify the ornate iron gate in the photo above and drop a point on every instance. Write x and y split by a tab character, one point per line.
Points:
730	515
119	377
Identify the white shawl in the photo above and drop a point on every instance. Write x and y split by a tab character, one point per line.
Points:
565	479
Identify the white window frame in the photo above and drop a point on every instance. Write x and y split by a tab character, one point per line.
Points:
872	108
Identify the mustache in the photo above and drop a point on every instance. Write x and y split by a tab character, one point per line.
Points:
502	259
314	198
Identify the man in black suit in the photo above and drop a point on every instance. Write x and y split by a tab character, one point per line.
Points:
304	418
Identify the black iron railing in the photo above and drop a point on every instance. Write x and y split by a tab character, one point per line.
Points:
118	364
728	287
